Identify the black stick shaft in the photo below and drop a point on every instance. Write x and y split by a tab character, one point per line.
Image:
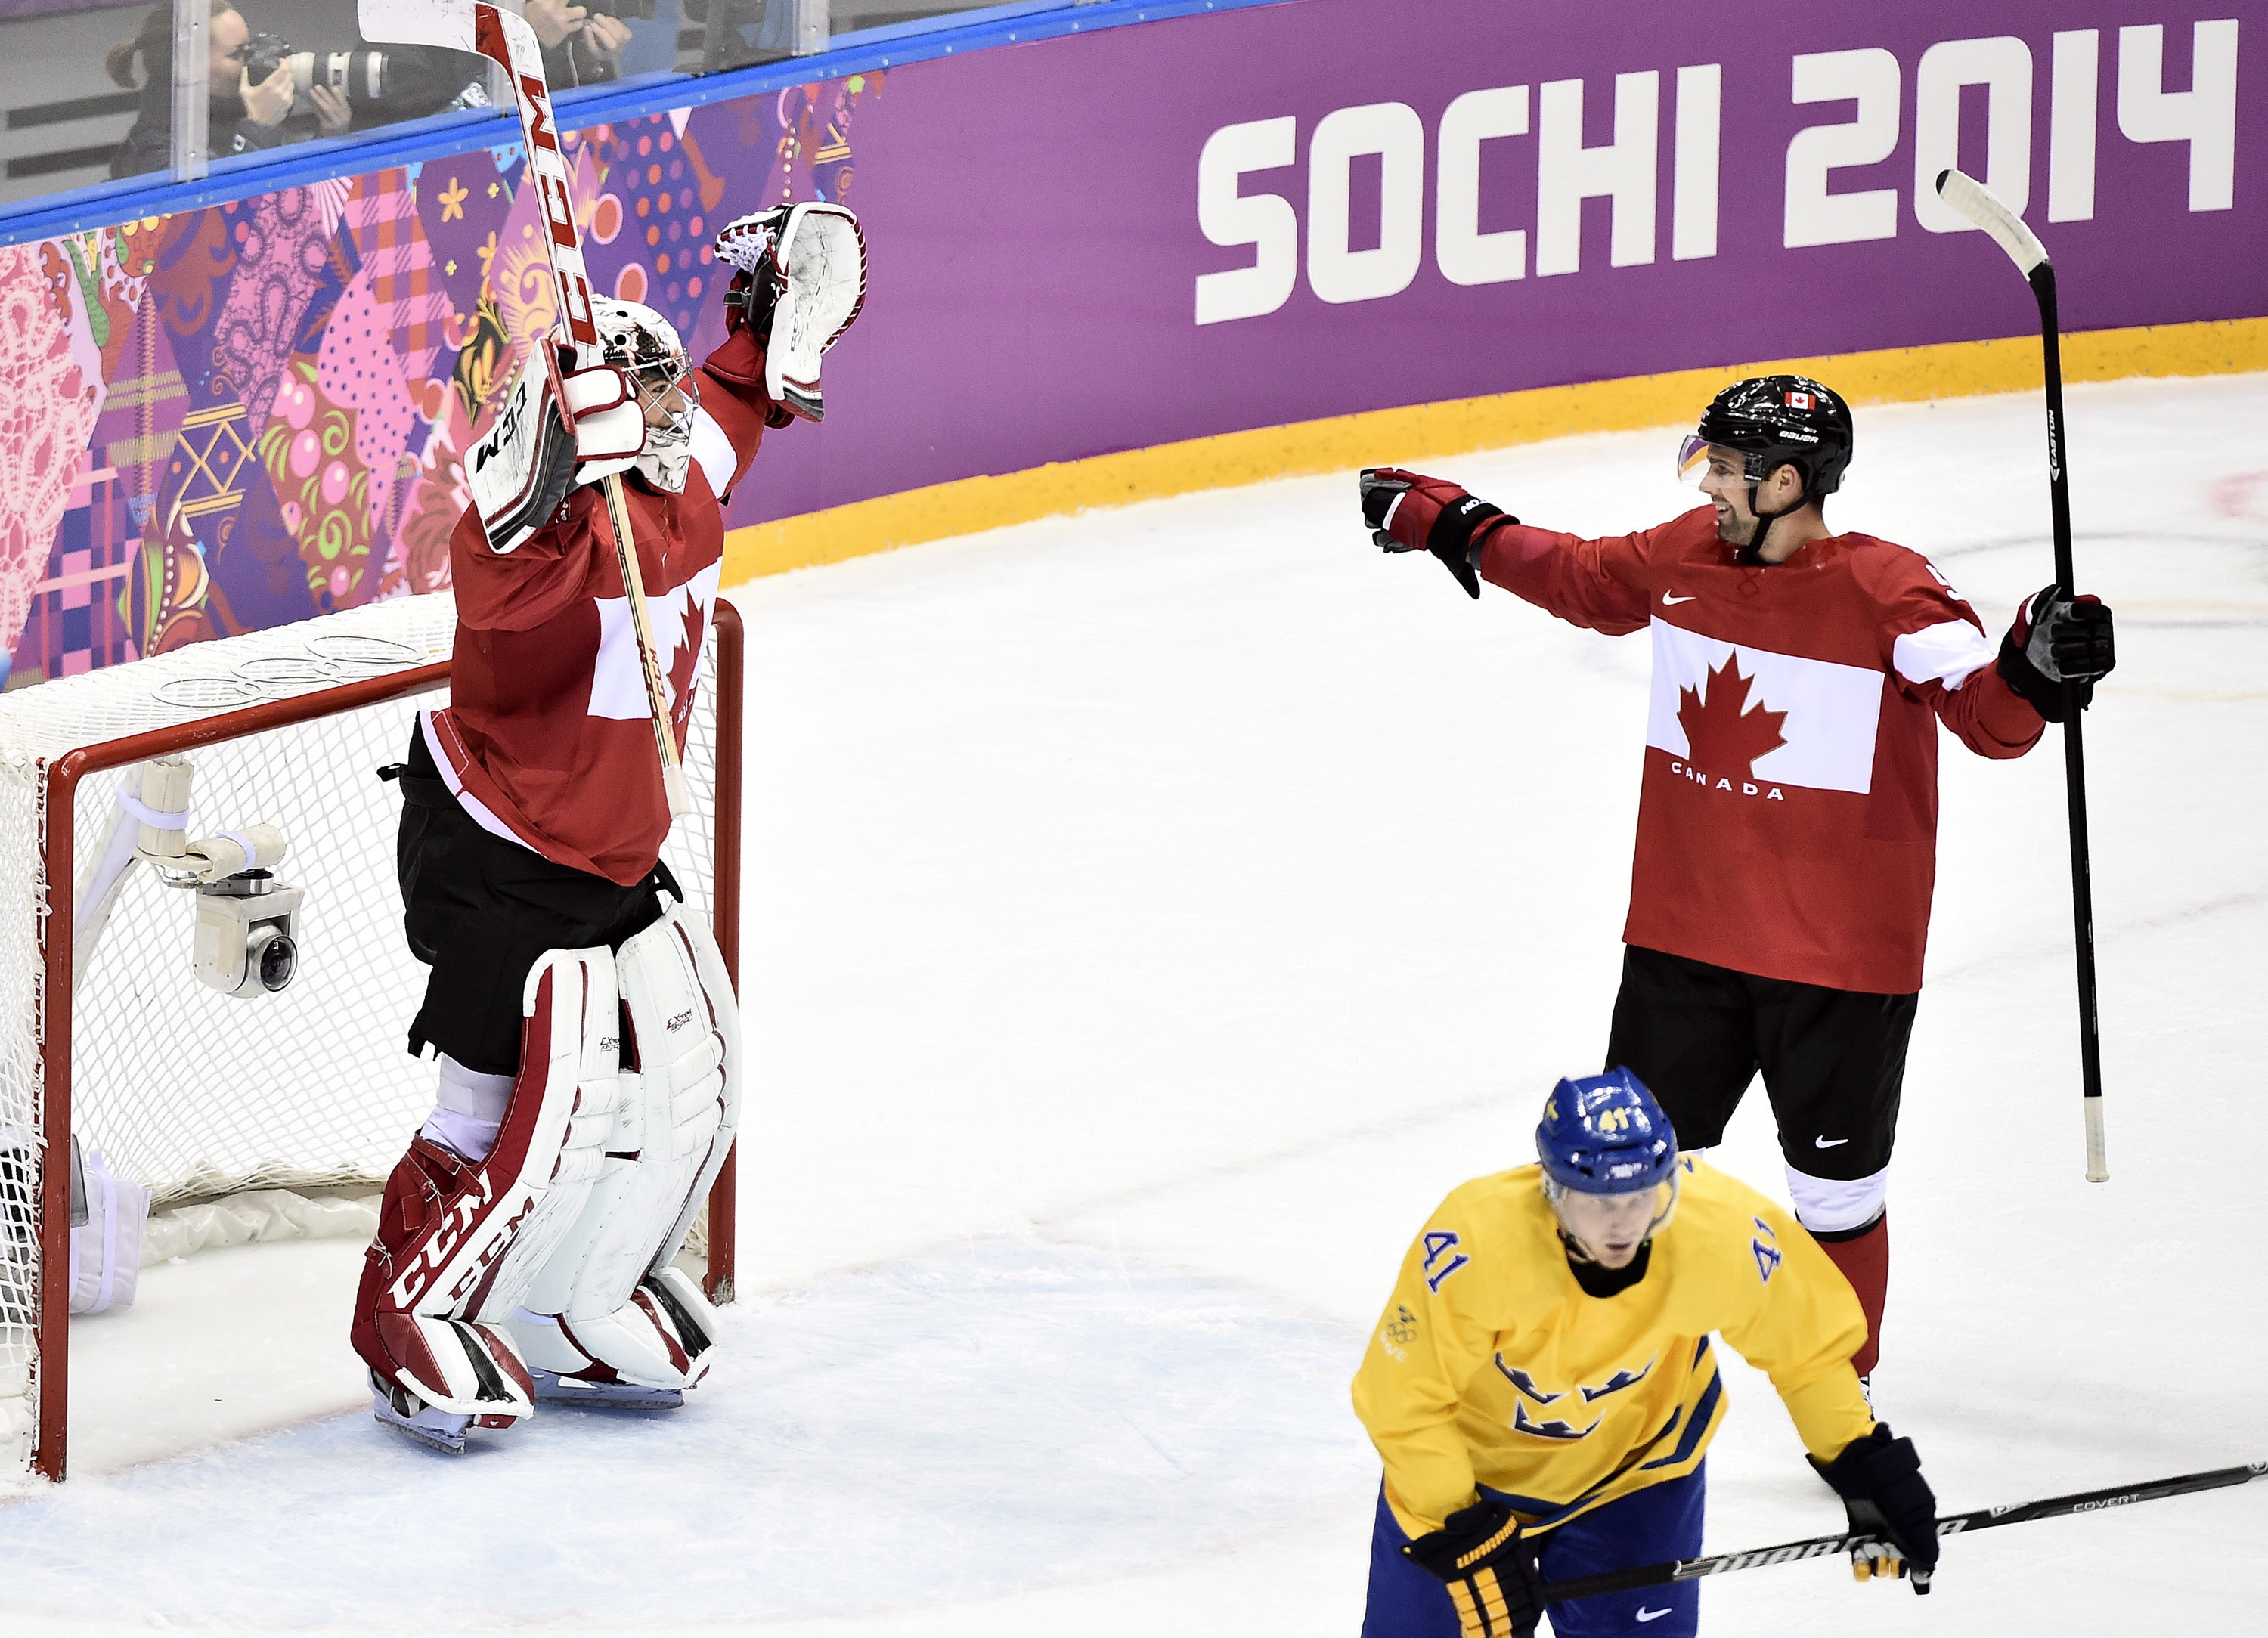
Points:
1957	1524
2075	756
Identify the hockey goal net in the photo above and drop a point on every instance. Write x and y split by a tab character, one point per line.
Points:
196	1094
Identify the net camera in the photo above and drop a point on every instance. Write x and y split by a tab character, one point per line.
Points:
247	942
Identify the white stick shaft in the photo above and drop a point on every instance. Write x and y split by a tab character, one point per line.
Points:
657	697
1974	201
2098	1161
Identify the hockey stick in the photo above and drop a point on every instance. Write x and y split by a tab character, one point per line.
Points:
1958	1523
504	38
1969	197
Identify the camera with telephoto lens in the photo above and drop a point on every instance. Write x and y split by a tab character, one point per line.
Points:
247	942
363	77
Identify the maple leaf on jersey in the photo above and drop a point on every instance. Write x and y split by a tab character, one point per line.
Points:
682	665
1722	735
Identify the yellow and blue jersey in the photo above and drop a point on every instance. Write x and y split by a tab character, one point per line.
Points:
1493	1367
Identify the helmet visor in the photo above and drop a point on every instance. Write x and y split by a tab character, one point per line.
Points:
1609	1226
1693	457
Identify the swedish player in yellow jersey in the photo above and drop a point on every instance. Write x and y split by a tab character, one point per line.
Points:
1542	1390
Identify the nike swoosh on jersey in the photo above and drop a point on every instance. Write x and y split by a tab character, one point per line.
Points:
1829	1143
1673	601
1652	1615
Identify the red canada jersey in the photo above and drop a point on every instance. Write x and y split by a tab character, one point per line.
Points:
1788	819
547	739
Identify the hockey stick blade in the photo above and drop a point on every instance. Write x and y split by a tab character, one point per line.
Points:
1955	1524
1974	201
506	39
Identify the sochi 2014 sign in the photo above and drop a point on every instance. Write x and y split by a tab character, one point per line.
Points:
1677	151
1285	212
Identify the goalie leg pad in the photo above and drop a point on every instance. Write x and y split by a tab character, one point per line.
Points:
608	1307
661	1340
458	1242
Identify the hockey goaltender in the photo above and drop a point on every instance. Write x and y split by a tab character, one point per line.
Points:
525	1243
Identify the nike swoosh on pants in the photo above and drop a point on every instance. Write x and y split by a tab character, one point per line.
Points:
1829	1143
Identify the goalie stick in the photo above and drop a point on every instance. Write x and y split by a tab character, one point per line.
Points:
1958	1523
504	38
1974	201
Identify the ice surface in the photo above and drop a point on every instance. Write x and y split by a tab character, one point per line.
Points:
1149	916
1191	1410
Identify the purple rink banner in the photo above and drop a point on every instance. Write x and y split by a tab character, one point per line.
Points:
1441	199
230	416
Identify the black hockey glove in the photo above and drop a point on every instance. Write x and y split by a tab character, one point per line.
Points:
1879	1480
2057	638
1489	1567
750	298
1408	512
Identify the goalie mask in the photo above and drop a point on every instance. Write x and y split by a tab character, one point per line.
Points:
644	346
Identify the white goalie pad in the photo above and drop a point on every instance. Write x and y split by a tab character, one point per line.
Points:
821	256
459	1243
608	1307
461	1368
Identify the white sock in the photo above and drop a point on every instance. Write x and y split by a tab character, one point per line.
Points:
468	1109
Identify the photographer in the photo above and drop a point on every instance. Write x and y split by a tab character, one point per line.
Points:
247	114
581	47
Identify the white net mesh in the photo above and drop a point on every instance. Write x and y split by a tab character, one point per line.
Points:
188	1091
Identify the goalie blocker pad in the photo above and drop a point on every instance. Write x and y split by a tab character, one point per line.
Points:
609	1307
459	1243
555	430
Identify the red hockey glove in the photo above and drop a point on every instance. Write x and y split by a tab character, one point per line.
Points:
1489	1568
1879	1479
1408	512
2057	639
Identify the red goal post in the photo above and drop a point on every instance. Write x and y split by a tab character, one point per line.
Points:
196	1094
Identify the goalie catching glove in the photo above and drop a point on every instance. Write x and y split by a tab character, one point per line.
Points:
1408	512
800	283
1489	1567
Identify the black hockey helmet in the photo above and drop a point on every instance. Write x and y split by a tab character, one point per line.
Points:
1777	420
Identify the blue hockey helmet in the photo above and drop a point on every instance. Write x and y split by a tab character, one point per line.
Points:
1604	1135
